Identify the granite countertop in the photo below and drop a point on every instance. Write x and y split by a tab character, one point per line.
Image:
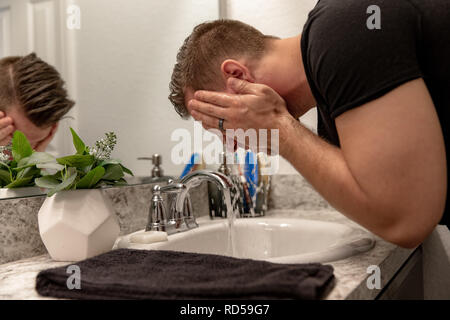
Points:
17	279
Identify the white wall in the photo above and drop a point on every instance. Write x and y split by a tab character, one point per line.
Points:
13	25
125	52
281	18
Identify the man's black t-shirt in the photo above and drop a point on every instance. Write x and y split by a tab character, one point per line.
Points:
349	64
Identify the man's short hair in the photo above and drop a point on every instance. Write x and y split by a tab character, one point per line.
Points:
202	53
34	86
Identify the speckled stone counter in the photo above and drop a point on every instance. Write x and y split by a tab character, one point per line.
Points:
17	279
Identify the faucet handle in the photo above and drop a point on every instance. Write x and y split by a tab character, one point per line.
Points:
157	216
173	187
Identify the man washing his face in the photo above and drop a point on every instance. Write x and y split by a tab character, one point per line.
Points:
382	95
32	99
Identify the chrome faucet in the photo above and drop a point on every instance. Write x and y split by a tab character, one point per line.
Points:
181	216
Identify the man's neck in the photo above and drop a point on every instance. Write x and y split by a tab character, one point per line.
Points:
292	78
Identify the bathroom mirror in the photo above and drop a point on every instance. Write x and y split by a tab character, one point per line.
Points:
117	58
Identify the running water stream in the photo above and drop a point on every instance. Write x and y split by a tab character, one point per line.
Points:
231	216
232	199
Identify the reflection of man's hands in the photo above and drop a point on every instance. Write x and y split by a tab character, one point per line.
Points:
6	129
42	145
250	106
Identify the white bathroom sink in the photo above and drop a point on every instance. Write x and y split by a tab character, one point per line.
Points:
284	240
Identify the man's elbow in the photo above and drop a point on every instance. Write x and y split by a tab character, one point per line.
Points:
405	240
411	230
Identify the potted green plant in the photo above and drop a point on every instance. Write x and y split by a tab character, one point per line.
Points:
19	167
76	220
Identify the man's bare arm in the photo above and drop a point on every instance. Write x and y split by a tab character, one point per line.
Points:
390	173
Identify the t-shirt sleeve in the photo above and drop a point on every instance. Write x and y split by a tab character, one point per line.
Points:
349	64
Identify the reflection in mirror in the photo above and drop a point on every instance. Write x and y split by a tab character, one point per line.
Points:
114	59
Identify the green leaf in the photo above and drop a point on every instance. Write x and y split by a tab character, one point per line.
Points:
34	159
126	170
58	175
80	146
67	182
4	164
87	168
19	183
21	148
47	182
77	161
115	161
28	172
54	166
91	178
109	161
5	177
41	157
113	172
22	163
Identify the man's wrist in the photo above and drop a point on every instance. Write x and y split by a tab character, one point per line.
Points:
287	128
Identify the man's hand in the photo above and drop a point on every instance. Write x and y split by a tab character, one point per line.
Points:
6	129
42	145
250	106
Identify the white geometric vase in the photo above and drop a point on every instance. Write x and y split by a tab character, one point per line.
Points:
77	224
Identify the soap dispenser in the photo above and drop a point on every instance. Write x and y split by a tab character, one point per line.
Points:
157	174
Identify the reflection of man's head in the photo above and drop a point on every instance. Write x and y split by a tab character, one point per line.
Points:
214	52
32	93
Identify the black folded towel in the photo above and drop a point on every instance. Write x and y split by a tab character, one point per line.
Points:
151	274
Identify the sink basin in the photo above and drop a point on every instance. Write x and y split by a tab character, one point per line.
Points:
277	240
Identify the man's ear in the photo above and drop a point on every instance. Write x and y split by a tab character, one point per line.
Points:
235	69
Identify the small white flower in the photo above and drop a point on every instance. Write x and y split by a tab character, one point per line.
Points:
103	147
5	152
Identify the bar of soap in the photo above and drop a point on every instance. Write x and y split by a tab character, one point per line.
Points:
149	237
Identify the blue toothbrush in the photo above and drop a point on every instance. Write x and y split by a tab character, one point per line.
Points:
195	158
251	173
